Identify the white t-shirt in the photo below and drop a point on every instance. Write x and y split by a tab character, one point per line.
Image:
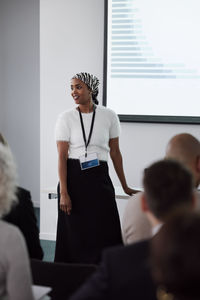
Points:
106	126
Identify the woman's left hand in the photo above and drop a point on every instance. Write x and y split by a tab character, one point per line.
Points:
130	191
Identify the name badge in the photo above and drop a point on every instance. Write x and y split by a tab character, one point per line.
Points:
89	161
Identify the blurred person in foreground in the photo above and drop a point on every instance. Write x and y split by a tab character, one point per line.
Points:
184	148
124	272
175	252
15	277
23	216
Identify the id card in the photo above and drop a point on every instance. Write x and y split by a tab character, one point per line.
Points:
90	161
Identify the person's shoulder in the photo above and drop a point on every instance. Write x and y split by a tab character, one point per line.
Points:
135	224
23	192
132	210
24	198
106	112
9	232
134	200
121	258
133	250
67	113
65	119
105	109
12	243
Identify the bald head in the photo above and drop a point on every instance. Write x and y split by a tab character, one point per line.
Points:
186	149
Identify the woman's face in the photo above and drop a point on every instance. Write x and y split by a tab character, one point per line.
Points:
80	92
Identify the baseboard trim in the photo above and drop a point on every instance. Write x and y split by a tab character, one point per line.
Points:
36	204
47	236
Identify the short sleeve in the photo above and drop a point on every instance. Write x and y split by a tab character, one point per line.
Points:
115	126
62	132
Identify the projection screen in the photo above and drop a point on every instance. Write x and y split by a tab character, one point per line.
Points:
152	60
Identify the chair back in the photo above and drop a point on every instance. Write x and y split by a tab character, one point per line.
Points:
63	278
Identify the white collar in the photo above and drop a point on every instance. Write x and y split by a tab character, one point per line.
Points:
156	228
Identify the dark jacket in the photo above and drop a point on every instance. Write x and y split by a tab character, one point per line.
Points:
22	215
123	274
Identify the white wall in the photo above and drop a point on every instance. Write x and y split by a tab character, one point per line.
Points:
142	144
20	80
72	41
1	67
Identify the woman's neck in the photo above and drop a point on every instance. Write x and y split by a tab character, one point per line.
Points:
86	108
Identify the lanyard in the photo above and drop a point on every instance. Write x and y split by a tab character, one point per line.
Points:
83	129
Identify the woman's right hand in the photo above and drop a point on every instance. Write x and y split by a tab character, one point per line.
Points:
65	203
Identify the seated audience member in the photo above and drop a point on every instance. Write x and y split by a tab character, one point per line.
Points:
175	255
182	147
15	277
22	215
124	272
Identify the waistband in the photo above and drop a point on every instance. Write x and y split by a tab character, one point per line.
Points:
77	160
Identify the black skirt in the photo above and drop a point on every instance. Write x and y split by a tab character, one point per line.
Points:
94	221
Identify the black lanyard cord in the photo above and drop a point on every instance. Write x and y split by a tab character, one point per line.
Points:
91	128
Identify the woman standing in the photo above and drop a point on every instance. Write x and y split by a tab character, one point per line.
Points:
88	219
